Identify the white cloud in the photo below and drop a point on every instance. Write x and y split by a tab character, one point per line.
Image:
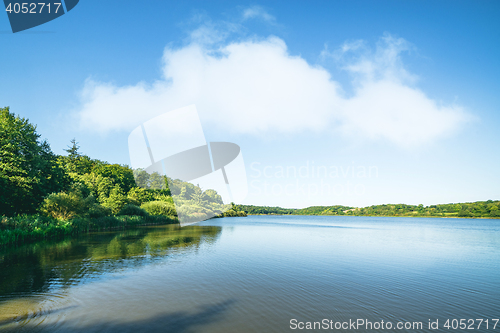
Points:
389	110
255	86
211	33
258	12
251	87
385	103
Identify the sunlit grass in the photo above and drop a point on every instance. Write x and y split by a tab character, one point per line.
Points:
27	228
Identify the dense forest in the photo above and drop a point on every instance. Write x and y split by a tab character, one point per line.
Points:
43	194
487	209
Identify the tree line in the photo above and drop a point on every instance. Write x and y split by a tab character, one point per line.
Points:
485	209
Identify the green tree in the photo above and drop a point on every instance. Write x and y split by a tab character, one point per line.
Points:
121	175
159	208
28	168
67	205
157	181
76	165
139	195
73	150
116	199
100	187
212	196
141	178
492	207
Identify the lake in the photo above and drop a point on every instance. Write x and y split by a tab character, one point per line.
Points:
259	274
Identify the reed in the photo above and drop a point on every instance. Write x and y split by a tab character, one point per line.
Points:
29	228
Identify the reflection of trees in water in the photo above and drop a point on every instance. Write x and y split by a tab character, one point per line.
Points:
44	265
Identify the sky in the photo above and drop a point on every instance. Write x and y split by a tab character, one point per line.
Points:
351	103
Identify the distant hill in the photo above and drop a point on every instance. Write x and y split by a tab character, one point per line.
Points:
490	209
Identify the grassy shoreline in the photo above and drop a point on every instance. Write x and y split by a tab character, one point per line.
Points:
30	228
25	229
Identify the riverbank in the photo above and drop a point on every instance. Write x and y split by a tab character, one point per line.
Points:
478	209
30	228
410	216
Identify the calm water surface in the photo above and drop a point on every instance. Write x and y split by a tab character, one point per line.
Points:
255	274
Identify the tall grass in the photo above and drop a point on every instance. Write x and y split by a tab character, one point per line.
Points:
28	228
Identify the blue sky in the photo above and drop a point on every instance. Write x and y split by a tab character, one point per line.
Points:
407	90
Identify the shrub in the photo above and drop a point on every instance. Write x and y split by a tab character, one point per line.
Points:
138	196
495	213
132	210
163	197
159	208
116	200
464	213
193	212
97	211
212	196
234	213
66	205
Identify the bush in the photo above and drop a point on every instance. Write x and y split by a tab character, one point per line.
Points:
66	205
132	210
159	208
190	208
163	197
464	213
234	213
192	212
97	211
495	213
212	196
25	228
116	200
138	196
25	222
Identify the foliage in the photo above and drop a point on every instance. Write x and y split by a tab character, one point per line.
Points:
99	186
75	193
212	196
97	211
25	228
116	199
66	205
192	202
265	210
28	168
138	196
233	212
193	209
72	151
489	209
76	164
470	209
120	175
132	210
159	208
161	195
153	181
